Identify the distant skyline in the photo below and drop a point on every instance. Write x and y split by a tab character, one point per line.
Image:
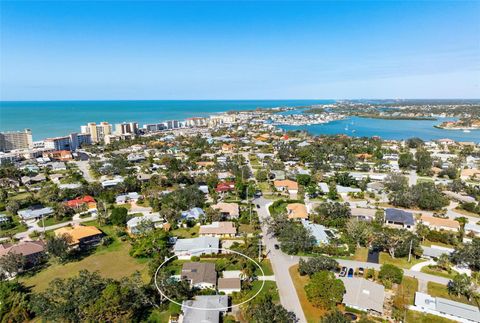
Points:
122	50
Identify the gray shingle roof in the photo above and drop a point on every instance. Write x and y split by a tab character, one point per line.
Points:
399	216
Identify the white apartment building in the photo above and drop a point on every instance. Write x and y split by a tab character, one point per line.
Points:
12	140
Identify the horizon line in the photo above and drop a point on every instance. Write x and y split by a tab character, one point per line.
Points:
291	99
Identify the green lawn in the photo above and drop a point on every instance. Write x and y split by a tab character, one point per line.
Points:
184	233
399	262
246	228
418	317
361	254
269	288
113	261
19	227
52	221
439	290
264	187
434	270
407	289
266	266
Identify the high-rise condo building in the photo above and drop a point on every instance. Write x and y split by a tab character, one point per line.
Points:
12	140
126	128
97	132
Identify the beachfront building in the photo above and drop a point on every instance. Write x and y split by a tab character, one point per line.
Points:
97	132
126	128
12	140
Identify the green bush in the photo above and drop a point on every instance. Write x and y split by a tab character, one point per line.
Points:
390	273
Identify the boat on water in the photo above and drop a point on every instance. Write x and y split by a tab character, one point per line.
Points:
466	130
346	128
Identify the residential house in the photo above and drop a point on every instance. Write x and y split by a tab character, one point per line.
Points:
297	211
81	236
363	214
201	275
139	224
399	218
363	294
435	251
472	228
35	212
193	214
436	223
443	307
131	197
225	187
33	251
218	229
321	234
287	186
112	182
229	285
79	202
227	210
184	249
193	309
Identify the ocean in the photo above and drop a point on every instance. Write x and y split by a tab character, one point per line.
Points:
59	118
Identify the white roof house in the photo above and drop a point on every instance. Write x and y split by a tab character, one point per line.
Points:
193	309
186	248
456	311
129	197
320	232
363	294
35	213
134	224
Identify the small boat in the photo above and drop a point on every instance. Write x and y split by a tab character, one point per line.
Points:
346	128
354	130
466	130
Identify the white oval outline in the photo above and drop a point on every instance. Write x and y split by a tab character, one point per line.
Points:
209	309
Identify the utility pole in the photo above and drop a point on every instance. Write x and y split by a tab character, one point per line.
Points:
410	250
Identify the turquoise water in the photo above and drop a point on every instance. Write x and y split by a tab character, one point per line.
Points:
388	129
58	118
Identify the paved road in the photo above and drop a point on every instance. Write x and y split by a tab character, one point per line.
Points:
280	264
84	168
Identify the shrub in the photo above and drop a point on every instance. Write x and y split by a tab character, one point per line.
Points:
390	273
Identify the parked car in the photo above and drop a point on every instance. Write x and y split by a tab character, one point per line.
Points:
343	272
258	193
258	206
361	271
350	272
276	246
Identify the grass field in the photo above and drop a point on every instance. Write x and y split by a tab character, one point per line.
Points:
439	290
407	289
417	317
361	254
433	270
185	233
112	261
312	313
399	262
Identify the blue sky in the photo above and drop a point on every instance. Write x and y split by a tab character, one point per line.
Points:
239	50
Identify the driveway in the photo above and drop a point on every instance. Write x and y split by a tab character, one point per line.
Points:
280	265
